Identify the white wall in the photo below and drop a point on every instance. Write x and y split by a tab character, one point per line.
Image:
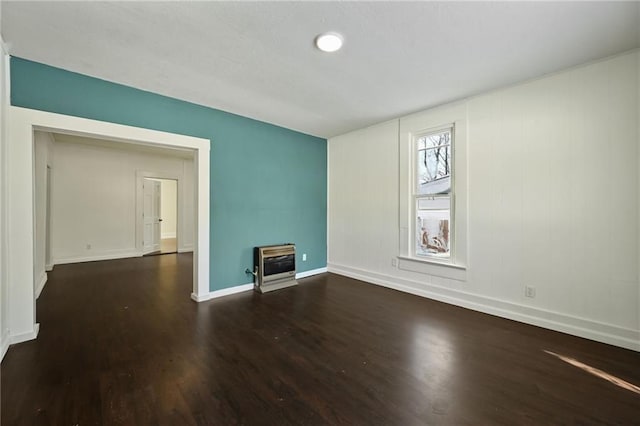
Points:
168	208
553	202
4	277
94	200
43	157
638	174
187	239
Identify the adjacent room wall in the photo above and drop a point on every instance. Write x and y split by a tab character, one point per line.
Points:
552	168
43	157
4	280
638	174
94	200
188	191
268	184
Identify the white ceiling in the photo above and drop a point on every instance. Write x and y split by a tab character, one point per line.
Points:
257	59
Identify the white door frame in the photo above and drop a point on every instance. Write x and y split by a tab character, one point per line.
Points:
21	123
180	222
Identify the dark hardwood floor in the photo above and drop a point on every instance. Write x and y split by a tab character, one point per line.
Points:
121	343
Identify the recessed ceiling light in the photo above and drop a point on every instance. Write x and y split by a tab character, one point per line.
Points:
329	42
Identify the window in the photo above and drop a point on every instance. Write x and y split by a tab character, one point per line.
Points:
432	222
432	193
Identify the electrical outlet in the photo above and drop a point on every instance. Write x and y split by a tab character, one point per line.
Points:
304	257
394	262
529	291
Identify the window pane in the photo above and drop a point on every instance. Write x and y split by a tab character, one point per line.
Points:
432	227
434	203
435	140
434	170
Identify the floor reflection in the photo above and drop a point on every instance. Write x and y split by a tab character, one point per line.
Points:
431	346
598	373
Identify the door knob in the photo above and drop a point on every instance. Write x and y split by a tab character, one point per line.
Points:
159	220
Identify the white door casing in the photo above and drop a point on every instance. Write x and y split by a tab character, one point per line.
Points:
151	215
141	177
20	201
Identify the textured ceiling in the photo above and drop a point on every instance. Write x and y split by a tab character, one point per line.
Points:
257	58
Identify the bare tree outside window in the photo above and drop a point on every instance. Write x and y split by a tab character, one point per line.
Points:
433	193
434	163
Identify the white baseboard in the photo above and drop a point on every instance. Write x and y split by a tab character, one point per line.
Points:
49	267
221	293
4	344
305	274
168	235
581	327
24	337
246	287
100	256
185	250
42	280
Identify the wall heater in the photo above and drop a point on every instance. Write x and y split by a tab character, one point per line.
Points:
274	267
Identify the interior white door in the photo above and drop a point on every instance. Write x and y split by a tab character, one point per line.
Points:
151	215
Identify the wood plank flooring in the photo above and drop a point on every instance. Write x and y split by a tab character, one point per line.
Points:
121	343
168	245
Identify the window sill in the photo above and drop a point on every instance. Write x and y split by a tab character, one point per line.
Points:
433	267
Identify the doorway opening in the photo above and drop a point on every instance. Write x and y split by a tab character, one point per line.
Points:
21	207
160	216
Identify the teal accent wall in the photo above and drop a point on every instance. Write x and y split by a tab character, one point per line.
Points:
268	183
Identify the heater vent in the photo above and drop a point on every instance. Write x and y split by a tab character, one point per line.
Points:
275	267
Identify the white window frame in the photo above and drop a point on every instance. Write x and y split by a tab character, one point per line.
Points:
417	195
411	127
